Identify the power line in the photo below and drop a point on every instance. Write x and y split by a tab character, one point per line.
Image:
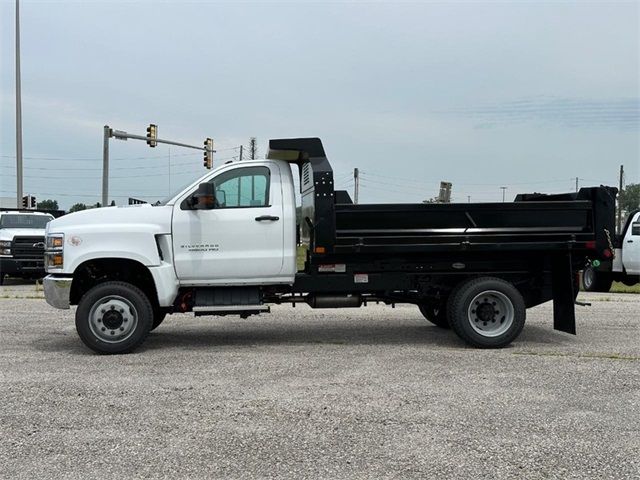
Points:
74	169
123	159
415	187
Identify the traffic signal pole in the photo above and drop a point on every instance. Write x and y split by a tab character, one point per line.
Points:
152	141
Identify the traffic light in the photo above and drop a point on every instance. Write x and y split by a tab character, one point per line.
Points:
208	153
29	202
152	135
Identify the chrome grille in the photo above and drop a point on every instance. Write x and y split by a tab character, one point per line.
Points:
28	247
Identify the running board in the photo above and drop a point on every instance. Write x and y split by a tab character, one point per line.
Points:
242	310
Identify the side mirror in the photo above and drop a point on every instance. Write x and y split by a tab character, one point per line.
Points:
204	198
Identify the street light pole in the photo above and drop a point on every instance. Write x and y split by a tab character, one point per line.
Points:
18	113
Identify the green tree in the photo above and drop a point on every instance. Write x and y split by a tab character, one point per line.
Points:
630	198
48	205
76	207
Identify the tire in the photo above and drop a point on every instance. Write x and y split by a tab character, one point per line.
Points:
114	317
594	281
436	314
498	321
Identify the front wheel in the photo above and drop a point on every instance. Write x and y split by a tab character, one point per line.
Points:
114	317
487	312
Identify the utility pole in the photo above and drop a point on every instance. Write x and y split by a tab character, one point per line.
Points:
241	147
356	185
619	229
18	113
577	184
504	189
105	165
253	148
468	198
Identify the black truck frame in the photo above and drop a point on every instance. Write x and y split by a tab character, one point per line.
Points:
460	263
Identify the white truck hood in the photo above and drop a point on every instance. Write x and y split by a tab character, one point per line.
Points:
10	233
156	220
113	232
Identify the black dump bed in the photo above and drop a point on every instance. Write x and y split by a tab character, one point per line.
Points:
527	224
333	225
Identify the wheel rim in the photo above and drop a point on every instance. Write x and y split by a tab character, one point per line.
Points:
113	319
587	277
491	313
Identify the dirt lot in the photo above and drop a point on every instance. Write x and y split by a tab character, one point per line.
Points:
369	393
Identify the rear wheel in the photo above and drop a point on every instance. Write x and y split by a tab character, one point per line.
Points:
114	317
487	312
436	314
594	281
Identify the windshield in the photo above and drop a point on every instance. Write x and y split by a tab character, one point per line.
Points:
24	221
175	192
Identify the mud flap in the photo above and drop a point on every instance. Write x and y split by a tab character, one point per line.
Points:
564	314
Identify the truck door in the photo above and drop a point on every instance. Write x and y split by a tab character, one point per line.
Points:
631	247
241	240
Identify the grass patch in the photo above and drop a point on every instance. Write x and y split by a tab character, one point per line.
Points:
301	256
618	287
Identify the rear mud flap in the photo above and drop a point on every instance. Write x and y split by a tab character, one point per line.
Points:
564	314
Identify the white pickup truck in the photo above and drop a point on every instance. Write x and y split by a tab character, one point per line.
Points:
22	243
623	267
226	244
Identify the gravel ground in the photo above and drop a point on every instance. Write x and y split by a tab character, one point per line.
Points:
369	393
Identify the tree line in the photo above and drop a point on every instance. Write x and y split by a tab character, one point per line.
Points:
49	204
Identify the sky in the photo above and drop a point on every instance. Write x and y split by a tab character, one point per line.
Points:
525	95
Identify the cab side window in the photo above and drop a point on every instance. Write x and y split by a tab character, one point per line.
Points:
243	187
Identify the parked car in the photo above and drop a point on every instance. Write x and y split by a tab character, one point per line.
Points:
624	266
22	243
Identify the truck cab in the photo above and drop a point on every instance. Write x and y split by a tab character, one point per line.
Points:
246	234
22	243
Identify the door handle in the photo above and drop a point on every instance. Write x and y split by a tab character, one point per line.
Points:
270	218
629	241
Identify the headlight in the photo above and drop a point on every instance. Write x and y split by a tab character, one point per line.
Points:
55	241
53	255
53	260
5	243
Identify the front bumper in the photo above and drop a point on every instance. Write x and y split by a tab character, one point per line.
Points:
57	290
22	267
